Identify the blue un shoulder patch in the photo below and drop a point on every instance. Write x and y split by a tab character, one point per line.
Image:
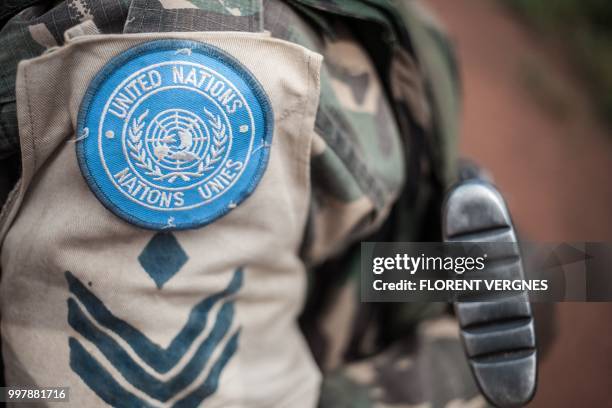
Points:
173	134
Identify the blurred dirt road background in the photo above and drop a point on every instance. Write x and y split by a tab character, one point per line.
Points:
528	119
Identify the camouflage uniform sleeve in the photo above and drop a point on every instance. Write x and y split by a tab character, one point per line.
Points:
382	153
380	354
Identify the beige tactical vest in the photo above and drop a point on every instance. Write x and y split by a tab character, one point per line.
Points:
128	316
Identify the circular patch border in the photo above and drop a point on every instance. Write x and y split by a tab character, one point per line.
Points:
199	216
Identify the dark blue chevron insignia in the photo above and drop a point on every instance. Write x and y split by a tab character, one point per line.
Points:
162	257
160	359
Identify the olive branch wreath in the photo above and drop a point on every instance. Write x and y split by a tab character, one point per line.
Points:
219	140
215	153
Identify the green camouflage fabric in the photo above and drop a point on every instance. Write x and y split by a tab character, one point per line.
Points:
427	370
382	156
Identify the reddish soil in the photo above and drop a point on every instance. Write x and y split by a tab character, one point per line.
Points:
528	119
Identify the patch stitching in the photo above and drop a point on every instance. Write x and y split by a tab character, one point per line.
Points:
260	139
